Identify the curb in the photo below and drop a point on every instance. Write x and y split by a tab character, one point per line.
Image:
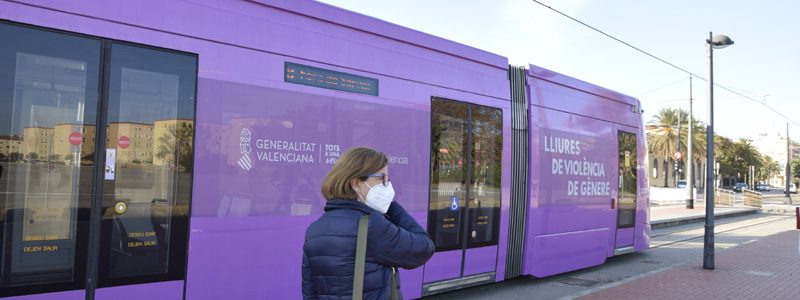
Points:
783	210
700	218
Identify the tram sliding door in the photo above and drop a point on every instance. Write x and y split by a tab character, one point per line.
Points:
464	209
626	204
95	166
147	174
48	106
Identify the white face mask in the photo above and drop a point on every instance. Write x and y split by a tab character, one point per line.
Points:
380	197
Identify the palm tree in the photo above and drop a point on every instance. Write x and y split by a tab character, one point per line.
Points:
662	132
662	135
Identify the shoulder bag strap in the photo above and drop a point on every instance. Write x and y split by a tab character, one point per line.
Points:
395	294
361	253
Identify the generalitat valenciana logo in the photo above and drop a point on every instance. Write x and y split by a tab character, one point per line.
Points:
244	161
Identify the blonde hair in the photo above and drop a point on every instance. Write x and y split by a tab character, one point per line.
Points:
355	163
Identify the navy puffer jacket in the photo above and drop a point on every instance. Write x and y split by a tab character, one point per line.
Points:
393	240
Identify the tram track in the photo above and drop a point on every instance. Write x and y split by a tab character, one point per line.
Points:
688	239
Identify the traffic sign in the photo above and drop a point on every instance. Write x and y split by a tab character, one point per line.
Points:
75	138
124	142
678	155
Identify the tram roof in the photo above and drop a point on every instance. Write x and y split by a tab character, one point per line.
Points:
372	25
572	82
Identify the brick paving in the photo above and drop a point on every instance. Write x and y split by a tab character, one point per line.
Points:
768	268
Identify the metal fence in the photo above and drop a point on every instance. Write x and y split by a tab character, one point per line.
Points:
724	197
751	198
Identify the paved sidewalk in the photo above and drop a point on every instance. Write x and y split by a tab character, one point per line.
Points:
671	215
768	268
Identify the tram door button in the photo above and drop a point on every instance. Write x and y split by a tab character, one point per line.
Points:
120	207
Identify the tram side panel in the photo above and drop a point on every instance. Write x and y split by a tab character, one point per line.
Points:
267	143
571	190
261	185
574	181
264	141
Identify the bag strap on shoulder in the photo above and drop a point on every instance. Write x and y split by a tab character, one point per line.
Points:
361	253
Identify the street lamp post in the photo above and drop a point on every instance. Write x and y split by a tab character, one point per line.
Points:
718	42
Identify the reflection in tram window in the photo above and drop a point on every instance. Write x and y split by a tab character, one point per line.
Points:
626	212
466	151
151	128
273	154
49	102
448	173
487	149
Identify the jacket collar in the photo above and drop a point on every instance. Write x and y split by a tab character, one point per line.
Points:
347	203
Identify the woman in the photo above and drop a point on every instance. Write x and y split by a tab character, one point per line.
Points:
357	185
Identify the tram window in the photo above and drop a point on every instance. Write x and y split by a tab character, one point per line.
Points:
48	101
145	206
466	152
448	173
627	193
487	150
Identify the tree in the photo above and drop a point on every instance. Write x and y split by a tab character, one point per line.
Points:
14	157
769	168
724	156
176	146
662	133
796	170
662	136
735	158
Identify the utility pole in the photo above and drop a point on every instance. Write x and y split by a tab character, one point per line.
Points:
689	153
788	166
677	150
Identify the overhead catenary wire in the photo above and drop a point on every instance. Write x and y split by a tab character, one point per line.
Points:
685	99
663	87
665	61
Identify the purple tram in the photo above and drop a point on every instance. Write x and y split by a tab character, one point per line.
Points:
175	149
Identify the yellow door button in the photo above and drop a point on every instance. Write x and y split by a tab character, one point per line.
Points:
120	207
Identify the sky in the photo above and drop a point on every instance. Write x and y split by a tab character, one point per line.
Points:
763	63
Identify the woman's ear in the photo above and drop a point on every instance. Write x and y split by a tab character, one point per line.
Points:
354	185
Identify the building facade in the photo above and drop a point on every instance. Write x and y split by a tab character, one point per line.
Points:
774	146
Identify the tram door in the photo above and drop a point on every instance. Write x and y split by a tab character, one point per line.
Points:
464	208
626	203
95	166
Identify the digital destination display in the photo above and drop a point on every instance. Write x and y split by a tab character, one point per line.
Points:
328	79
